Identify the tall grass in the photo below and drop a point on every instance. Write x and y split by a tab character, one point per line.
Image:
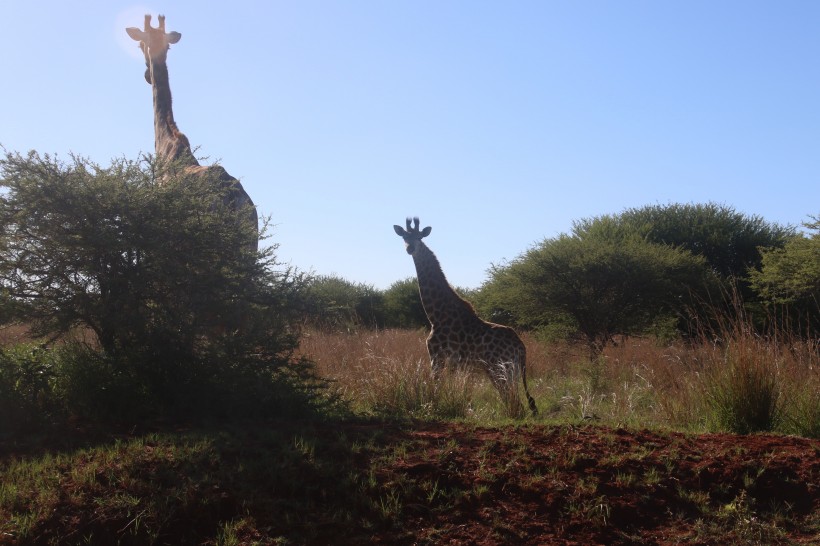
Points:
757	382
731	379
739	382
388	373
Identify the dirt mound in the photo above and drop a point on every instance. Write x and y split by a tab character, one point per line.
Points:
593	485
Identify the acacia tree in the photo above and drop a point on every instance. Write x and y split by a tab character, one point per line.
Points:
147	266
597	287
620	274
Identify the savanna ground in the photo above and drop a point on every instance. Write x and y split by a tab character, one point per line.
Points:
620	453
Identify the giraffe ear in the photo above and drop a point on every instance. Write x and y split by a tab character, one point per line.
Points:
426	231
135	33
173	37
399	231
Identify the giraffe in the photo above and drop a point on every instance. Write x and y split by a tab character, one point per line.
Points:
171	145
457	334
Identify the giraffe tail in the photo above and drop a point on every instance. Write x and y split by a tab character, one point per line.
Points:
531	402
530	399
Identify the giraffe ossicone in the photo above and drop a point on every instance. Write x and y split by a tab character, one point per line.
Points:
457	335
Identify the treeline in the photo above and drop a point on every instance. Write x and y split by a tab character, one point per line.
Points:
663	270
332	302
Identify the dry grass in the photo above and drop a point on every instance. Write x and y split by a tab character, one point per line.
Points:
387	372
740	381
638	382
14	333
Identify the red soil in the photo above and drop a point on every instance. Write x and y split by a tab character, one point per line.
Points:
592	485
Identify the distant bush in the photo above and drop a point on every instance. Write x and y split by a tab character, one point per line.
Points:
336	303
402	305
788	279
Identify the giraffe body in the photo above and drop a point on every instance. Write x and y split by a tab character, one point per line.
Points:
171	145
457	335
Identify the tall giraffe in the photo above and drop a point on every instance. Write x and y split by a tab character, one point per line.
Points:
171	145
457	334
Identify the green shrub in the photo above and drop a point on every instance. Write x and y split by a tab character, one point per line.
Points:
402	304
334	303
126	388
94	387
26	398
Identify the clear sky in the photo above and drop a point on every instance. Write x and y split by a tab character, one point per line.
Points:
498	123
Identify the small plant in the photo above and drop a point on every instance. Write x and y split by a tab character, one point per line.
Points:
624	479
390	505
233	533
598	512
746	524
652	476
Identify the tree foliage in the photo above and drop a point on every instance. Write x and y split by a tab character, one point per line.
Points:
790	276
339	304
333	302
402	303
643	269
134	260
728	240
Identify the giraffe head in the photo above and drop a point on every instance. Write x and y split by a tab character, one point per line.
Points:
412	235
154	42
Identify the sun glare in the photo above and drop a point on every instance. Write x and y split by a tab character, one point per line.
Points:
132	16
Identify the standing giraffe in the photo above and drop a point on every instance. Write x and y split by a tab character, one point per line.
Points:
457	335
171	145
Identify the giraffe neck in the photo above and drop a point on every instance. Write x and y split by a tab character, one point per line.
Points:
441	303
169	142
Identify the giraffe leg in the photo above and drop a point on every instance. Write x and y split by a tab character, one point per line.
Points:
437	356
436	364
504	378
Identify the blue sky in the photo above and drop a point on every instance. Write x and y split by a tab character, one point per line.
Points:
498	123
